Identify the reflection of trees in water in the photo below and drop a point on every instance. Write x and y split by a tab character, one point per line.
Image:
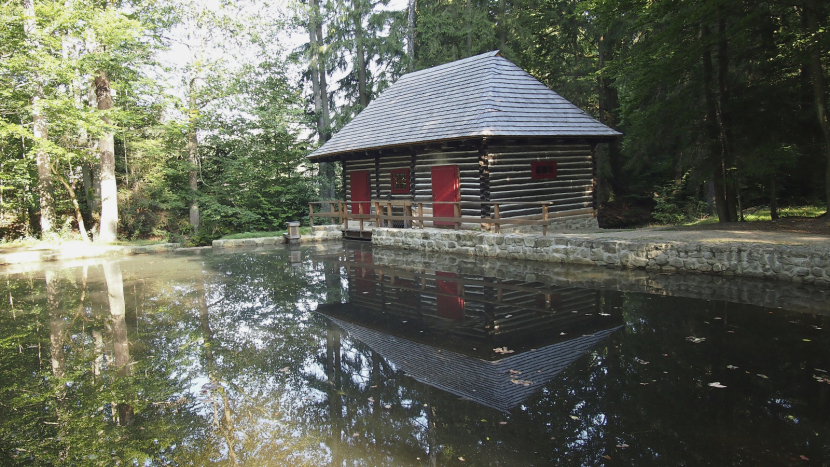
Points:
228	324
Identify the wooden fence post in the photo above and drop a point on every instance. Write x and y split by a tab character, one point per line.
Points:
546	225
421	214
377	214
310	215
360	213
389	222
457	213
496	212
345	216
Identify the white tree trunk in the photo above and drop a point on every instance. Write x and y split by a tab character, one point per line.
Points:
106	149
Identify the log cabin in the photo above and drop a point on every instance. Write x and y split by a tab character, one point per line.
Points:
474	132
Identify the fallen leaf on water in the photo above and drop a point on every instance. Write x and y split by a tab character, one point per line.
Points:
643	384
822	379
707	322
804	458
508	316
731	332
461	459
815	327
356	435
820	370
806	340
574	417
695	340
732	367
640	361
561	333
622	446
717	384
717	317
284	370
373	387
521	381
502	423
605	314
607	457
387	406
371	399
763	376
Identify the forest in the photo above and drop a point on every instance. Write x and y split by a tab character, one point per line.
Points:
185	121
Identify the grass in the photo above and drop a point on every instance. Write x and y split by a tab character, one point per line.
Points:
278	233
761	213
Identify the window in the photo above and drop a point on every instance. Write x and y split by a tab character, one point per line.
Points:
543	169
400	181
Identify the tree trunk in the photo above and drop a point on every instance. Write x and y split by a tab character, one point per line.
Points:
469	28
46	192
361	60
321	101
502	26
811	10
724	93
411	32
193	153
78	215
715	148
106	148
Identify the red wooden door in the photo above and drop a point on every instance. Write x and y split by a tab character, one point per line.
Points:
445	187
360	190
450	305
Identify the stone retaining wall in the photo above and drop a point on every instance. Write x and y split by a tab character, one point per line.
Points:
320	233
782	262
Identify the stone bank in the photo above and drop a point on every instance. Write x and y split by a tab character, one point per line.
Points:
809	264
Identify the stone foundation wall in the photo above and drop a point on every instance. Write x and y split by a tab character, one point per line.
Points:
782	262
320	233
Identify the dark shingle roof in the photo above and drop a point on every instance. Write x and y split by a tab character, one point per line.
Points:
484	95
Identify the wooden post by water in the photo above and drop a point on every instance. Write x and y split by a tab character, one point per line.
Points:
546	226
389	222
360	213
310	215
496	213
421	214
457	213
377	214
345	216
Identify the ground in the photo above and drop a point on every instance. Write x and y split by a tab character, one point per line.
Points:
798	225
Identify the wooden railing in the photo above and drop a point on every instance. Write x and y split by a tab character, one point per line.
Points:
412	214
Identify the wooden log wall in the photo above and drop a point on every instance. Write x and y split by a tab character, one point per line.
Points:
509	177
468	172
386	164
359	164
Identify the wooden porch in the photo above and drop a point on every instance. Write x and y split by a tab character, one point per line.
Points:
406	214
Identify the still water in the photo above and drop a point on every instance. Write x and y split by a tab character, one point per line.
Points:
341	355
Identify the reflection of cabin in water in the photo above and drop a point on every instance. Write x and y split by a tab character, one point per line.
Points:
442	328
476	131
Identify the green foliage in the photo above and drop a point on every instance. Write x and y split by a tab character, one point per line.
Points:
674	204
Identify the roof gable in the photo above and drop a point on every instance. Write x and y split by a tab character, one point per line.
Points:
483	95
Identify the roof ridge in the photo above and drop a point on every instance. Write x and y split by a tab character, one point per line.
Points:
452	64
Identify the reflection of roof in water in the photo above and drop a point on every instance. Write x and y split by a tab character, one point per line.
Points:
490	383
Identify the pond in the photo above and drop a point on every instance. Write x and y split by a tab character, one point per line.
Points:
341	355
